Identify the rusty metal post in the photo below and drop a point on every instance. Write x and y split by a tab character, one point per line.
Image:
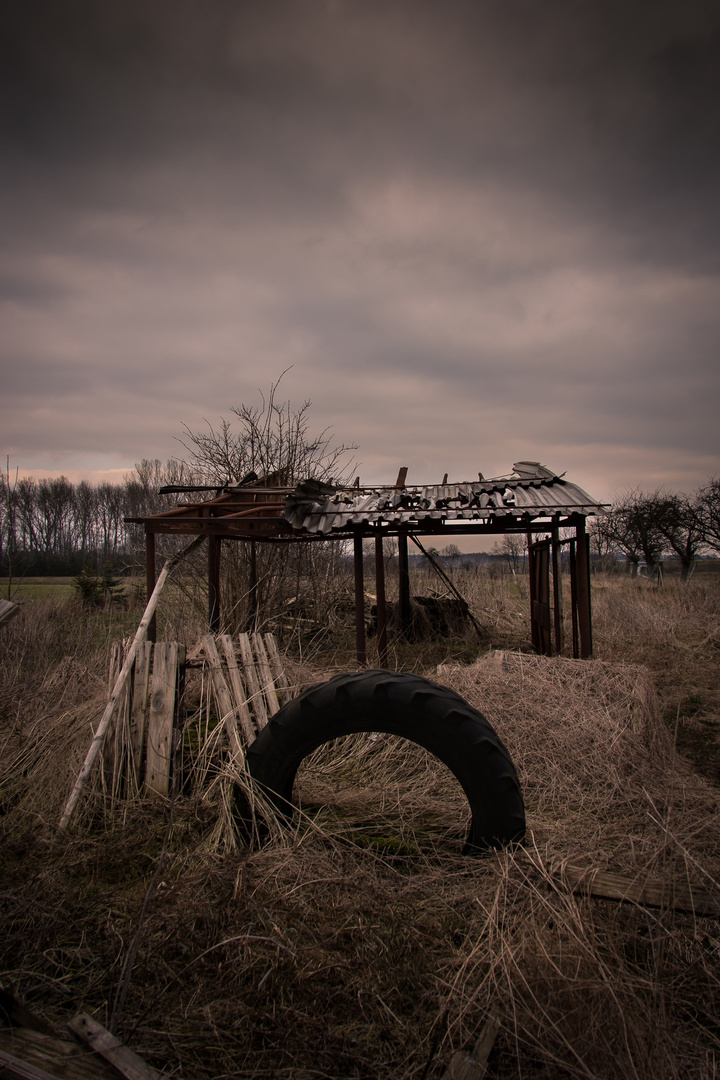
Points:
359	600
381	605
214	543
405	615
558	623
583	590
573	600
534	633
150	580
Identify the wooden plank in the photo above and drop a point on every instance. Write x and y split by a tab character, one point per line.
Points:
102	728
138	713
265	674
121	1057
238	688
160	720
257	699
277	669
588	881
474	1066
30	1055
223	698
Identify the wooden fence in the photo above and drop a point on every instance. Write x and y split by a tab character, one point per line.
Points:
248	684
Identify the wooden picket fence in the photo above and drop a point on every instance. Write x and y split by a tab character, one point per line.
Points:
248	684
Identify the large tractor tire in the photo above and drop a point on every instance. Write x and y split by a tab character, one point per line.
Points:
415	709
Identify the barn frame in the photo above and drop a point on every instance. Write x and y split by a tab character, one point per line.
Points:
532	500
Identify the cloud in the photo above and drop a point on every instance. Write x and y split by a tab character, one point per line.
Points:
477	231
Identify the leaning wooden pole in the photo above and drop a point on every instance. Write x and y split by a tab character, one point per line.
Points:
102	730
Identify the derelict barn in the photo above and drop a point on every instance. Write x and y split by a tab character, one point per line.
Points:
532	501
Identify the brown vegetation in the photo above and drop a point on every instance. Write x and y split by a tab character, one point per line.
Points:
361	943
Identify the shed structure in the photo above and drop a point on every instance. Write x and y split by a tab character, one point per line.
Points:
532	500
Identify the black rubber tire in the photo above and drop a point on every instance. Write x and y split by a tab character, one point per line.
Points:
415	709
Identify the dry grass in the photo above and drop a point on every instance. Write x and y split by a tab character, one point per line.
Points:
360	943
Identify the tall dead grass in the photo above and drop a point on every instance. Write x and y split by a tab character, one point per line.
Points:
359	942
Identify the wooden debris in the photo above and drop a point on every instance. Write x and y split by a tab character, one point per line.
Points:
138	712
102	729
168	657
222	696
257	698
589	881
278	672
127	1063
238	688
474	1066
266	678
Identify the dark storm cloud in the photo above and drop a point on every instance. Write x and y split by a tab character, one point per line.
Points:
470	225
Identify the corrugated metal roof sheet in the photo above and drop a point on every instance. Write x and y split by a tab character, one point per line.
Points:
317	511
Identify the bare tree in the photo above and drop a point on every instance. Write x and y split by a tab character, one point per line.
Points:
634	521
708	509
680	523
272	438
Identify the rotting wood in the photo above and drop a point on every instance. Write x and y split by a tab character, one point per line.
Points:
223	697
14	1068
26	1054
281	682
163	695
138	714
474	1066
265	674
238	688
603	884
121	1057
257	698
102	729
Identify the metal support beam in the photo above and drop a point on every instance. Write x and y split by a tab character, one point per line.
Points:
214	543
404	584
359	600
150	580
558	620
583	590
381	605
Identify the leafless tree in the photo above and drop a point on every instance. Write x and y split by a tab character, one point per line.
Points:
708	508
267	439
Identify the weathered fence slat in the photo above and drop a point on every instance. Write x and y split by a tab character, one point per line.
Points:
278	671
238	689
138	714
223	697
162	714
265	674
257	698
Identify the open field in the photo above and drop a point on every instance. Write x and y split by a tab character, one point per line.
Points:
361	943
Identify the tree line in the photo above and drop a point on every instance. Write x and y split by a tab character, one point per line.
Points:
56	527
643	528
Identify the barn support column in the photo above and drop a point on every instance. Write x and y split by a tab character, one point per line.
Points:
381	605
214	543
582	559
404	584
359	600
150	580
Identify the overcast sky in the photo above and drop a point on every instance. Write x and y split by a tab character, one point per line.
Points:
477	232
